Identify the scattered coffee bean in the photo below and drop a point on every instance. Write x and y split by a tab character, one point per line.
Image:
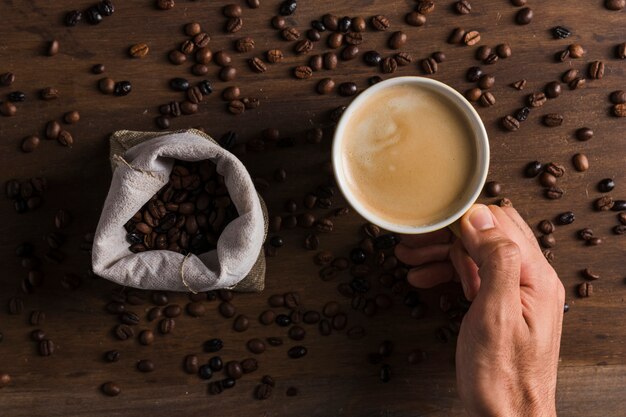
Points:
379	22
559	32
519	85
618	97
510	123
566	218
111	389
139	50
585	234
553	119
604	203
256	346
615	5
588	274
415	19
274	56
145	365
471	38
303	72
297	352
397	40
553	89
463	7
536	99
585	289
596	70
554	193
524	16
581	163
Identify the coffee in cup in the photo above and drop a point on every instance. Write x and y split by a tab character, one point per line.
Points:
410	154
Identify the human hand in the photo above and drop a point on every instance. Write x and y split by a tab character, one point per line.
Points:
508	346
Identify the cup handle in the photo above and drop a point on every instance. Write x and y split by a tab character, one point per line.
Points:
455	228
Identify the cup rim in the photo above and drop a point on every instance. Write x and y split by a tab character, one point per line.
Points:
482	143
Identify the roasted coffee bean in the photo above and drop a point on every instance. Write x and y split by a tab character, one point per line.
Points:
619	110
389	65
585	234
486	81
330	60
372	58
546	227
576	50
274	56
146	337
471	38
604	203
397	40
166	325
232	10
554	193
536	99
213	345
8	109
172	311
93	16
618	97
46	347
288	7
49	93
615	5
552	89
72	18
555	169
145	365
524	16
510	123
16	97
297	352
234	370
354	38
325	86
491	59
227	310
228	73
588	274
463	7
245	44
581	162
347	89
106	85
296	333
122	88
216	364
483	52
205	372
522	114
565	218
473	94
263	392
290	34
493	188
179	84
596	70
569	76
553	119
344	24
473	74
257	65
267	317
128	317
547	180
456	36
379	22
503	50
606	185
139	50
241	323
594	241
302	72
111	389
313	35
519	85
429	65
112	356
560	32
415	19
487	99
578	82
256	346
282	320
585	289
349	52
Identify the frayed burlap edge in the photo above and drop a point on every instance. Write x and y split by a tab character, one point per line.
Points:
123	140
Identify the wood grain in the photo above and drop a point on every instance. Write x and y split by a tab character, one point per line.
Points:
334	378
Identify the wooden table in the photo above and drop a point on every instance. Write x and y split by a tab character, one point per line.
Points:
334	378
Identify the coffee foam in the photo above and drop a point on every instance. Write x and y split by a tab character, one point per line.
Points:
408	155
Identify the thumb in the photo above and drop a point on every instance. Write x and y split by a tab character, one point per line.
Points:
496	255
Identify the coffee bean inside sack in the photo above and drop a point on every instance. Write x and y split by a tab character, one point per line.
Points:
187	215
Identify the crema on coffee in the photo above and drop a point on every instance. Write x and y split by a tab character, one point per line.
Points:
409	155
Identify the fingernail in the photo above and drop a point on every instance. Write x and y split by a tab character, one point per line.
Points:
481	218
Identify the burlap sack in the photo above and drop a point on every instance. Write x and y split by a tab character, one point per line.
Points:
141	163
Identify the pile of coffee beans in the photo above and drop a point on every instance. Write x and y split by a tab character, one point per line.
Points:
187	215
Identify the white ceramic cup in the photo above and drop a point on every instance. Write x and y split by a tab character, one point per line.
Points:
479	135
